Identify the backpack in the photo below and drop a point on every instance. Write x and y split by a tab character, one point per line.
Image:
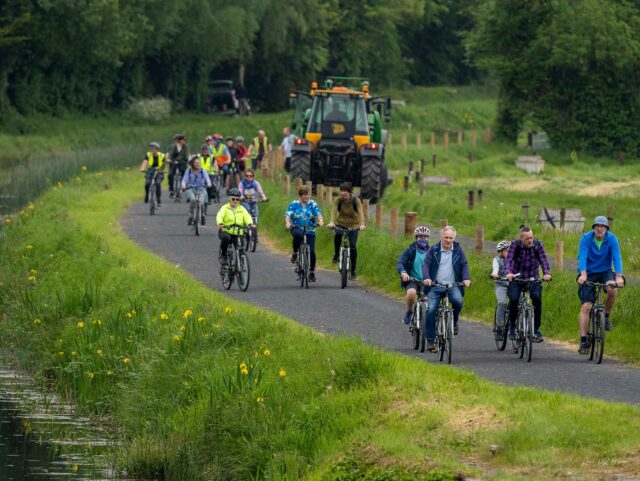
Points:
354	204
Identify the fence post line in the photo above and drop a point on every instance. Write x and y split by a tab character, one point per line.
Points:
563	214
433	141
365	208
479	238
433	161
474	137
443	223
404	140
410	168
410	220
560	255
330	194
309	185
421	186
421	166
287	184
460	137
298	183
525	212
406	183
379	215
446	141
393	220
320	192
418	140
470	200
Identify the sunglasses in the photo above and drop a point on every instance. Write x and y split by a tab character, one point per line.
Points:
249	175
234	199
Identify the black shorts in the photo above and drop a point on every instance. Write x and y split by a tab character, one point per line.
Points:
418	286
588	293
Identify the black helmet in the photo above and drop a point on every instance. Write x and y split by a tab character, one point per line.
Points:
178	137
204	146
233	192
228	138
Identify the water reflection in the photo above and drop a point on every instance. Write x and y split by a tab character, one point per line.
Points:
74	450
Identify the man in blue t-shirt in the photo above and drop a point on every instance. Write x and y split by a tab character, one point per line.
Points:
599	260
409	266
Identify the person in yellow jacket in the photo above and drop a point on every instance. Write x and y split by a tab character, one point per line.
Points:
258	148
231	214
209	165
153	164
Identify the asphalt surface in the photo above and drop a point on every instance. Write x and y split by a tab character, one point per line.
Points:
373	317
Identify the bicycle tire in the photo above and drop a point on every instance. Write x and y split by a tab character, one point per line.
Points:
176	186
442	336
227	275
244	271
529	334
197	218
254	238
344	267
416	332
599	335
501	345
449	344
305	267
522	332
591	338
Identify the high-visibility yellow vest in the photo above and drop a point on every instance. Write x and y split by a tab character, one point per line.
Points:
256	146
218	154
207	163
151	158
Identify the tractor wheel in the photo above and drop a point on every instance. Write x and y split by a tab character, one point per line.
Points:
301	166
371	177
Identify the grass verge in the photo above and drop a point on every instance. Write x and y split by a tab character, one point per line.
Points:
201	387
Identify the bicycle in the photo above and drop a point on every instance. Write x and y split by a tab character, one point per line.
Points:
303	262
252	232
444	322
151	195
344	261
177	182
418	316
596	330
216	186
524	330
237	267
197	209
501	345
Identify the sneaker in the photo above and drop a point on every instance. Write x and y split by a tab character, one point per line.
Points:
146	200
294	258
312	276
406	320
159	202
171	195
335	259
190	221
538	337
498	335
431	345
512	334
354	276
583	349
607	324
455	329
204	220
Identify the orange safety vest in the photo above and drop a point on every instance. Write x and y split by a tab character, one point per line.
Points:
219	154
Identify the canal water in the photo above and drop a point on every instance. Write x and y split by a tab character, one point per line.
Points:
41	439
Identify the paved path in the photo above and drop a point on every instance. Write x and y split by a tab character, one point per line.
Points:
373	317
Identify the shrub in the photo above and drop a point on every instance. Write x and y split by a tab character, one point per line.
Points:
153	109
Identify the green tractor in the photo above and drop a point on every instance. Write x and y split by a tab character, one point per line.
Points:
340	136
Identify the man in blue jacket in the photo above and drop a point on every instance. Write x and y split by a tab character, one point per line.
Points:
598	254
445	263
409	266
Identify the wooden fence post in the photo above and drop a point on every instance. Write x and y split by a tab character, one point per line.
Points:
525	212
443	223
410	220
470	200
406	183
309	185
418	176
379	215
418	140
410	168
365	208
320	192
560	255
480	195
474	137
479	238
563	214
393	221
287	184
446	141
404	140
421	166
621	157
433	161
298	183
460	136
433	141
470	157
610	216
330	194
421	186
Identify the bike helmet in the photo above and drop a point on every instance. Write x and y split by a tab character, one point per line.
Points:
209	138
217	136
228	138
178	137
422	230
502	245
204	146
233	192
240	139
155	144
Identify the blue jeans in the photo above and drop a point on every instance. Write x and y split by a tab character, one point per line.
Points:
298	236
252	207
435	293
513	291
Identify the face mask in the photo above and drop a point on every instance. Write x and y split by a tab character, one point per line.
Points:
422	244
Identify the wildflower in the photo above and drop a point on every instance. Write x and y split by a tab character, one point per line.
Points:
74	353
59	184
133	313
125	360
84	168
282	372
243	365
99	352
7	220
29	247
31	278
260	400
183	328
80	325
164	316
244	371
256	354
201	319
97	322
128	315
216	326
23	212
33	272
266	352
37	322
109	372
61	353
574	155
187	314
228	310
90	375
177	338
75	468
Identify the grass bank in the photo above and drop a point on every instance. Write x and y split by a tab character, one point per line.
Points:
199	386
379	252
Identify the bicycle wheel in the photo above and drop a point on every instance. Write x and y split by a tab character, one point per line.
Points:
528	340
501	345
520	333
441	334
152	199
244	273
254	238
305	266
344	267
449	340
176	186
416	324
228	272
599	334
591	338
197	217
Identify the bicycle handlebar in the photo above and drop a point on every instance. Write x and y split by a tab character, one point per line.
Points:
613	285
447	286
344	230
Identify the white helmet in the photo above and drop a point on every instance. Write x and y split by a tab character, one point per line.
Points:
422	230
502	245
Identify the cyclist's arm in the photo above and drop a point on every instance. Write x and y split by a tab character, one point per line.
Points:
259	190
246	217
583	252
402	261
466	275
495	268
207	179
616	256
544	262
426	266
220	215
144	165
185	177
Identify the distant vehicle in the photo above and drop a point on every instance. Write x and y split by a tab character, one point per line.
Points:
224	99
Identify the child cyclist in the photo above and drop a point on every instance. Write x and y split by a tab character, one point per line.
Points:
250	189
498	271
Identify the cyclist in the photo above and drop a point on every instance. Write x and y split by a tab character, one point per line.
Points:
304	212
526	256
250	189
209	165
194	180
222	156
178	157
348	212
242	152
259	148
445	263
498	271
231	213
234	167
153	164
409	265
599	251
285	147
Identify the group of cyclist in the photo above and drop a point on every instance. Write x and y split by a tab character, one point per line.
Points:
422	268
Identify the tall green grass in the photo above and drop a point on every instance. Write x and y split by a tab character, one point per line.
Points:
201	387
